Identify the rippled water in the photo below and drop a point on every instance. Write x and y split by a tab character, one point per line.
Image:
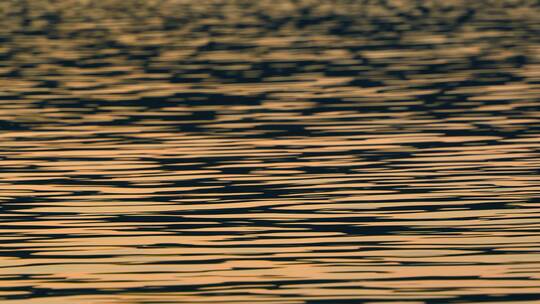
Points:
269	151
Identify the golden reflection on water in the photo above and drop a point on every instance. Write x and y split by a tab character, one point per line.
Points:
181	151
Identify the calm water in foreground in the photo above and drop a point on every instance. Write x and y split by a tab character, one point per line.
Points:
266	151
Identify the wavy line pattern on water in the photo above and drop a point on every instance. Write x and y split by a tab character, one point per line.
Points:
265	151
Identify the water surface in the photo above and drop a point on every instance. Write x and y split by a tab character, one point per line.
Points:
265	151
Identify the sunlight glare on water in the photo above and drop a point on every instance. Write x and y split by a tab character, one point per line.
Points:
271	151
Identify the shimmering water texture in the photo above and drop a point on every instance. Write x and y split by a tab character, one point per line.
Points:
269	151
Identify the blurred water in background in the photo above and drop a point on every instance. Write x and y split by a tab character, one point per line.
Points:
280	151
